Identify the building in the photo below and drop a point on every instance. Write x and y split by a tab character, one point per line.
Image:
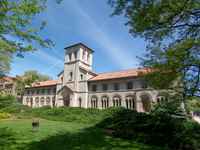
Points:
78	86
7	85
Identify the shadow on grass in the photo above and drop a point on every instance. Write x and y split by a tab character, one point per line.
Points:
87	139
6	138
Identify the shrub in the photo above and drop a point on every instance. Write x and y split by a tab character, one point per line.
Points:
6	138
4	115
156	128
6	100
67	114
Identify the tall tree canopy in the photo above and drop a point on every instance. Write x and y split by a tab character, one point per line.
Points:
28	78
17	33
172	29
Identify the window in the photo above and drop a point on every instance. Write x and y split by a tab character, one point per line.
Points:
130	104
83	56
130	85
42	101
28	92
144	85
33	92
37	101
27	100
70	76
94	102
116	101
94	87
104	102
48	101
43	91
70	57
37	91
75	55
81	77
116	86
54	90
53	101
146	102
105	87
88	57
80	102
48	91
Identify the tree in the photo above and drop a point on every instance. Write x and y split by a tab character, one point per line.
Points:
17	33
172	30
28	78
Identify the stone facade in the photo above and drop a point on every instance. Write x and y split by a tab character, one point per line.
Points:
79	86
8	86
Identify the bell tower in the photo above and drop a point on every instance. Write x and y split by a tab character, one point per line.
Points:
77	70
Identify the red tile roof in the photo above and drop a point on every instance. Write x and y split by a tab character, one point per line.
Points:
45	83
120	74
7	78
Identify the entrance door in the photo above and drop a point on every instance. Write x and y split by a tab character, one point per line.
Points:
66	100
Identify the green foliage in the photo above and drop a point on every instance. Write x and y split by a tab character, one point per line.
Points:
4	115
168	107
28	78
6	138
194	104
156	128
88	116
17	34
172	29
6	101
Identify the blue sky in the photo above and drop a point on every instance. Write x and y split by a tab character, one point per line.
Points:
89	22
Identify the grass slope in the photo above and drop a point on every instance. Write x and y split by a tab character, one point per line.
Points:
56	135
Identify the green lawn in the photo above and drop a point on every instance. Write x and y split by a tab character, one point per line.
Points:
55	135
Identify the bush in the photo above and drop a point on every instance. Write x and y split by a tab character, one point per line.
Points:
4	115
68	114
6	138
7	100
156	128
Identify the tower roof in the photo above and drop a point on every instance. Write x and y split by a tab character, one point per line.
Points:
79	44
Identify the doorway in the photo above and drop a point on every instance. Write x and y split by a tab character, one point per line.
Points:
66	100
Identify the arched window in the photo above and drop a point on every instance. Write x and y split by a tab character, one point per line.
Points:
37	101
42	101
105	102
146	102
130	102
27	101
162	97
70	76
81	76
48	101
116	101
94	102
53	101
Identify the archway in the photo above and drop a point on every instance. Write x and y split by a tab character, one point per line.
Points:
104	102
130	102
94	101
66	93
116	101
146	102
66	100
